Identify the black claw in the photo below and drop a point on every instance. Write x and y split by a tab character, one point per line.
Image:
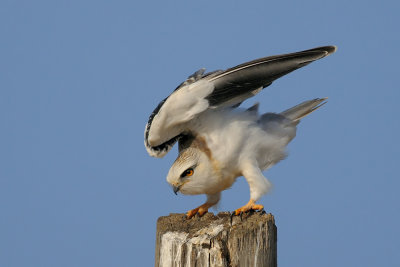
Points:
231	216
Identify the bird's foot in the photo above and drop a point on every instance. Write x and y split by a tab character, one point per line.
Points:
248	207
201	210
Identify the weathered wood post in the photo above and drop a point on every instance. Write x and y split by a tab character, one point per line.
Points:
216	240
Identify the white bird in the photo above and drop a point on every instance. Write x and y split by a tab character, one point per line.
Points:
219	142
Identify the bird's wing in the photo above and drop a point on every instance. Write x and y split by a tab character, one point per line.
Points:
169	121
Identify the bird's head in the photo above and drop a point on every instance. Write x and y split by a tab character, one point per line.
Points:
192	173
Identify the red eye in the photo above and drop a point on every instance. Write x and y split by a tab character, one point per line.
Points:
188	172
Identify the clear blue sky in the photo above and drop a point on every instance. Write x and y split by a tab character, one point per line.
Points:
78	80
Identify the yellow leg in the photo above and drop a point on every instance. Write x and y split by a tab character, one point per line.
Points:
249	206
201	210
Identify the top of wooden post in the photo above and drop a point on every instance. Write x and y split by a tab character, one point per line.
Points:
216	240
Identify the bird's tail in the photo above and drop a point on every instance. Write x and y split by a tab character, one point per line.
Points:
303	109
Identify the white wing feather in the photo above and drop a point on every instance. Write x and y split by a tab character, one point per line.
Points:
182	106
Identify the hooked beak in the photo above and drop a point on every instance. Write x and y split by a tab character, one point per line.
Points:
176	189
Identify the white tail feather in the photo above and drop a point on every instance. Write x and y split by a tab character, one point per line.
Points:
303	109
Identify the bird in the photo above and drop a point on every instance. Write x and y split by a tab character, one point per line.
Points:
218	141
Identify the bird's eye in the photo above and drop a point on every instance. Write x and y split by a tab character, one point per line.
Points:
188	172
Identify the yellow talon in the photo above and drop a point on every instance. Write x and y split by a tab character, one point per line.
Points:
201	210
249	206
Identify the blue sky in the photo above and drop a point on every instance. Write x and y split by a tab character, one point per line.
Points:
78	80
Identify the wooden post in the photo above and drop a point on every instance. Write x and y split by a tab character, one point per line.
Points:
216	240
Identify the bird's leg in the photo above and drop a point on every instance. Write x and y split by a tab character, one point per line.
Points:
259	185
251	205
203	209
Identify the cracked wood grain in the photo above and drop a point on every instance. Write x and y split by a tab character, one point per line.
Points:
216	240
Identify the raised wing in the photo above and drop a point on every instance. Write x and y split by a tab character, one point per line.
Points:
169	121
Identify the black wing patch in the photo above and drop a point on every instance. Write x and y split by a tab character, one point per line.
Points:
260	73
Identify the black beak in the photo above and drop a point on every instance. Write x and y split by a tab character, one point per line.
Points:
176	189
